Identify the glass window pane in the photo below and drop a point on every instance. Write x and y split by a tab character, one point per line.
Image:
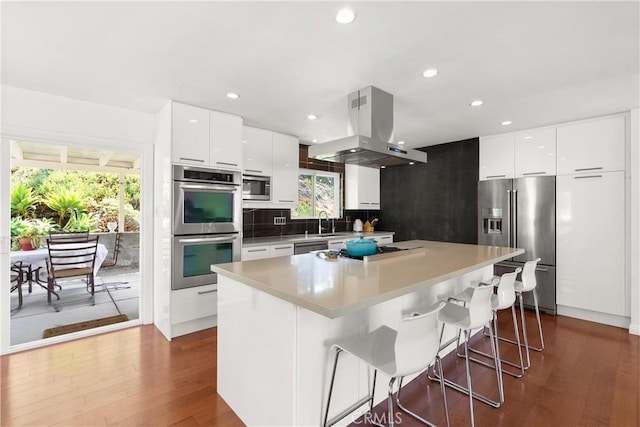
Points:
305	194
325	195
201	206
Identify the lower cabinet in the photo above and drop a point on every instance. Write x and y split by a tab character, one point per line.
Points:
255	252
193	309
281	250
384	240
590	224
337	244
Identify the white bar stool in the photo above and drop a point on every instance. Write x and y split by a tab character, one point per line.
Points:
475	315
528	284
397	354
504	298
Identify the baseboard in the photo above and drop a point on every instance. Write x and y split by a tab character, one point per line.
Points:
185	328
634	329
595	316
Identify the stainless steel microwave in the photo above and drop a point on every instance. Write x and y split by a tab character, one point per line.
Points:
255	187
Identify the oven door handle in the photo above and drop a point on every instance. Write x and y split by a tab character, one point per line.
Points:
208	239
212	188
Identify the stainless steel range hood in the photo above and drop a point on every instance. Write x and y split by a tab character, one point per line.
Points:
371	134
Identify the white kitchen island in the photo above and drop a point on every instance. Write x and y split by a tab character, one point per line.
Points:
278	317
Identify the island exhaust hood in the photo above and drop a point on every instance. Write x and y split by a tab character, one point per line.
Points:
371	134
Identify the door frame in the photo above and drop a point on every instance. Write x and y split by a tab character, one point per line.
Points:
145	151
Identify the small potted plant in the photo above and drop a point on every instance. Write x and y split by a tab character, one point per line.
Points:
26	232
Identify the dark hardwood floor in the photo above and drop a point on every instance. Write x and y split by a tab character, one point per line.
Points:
587	376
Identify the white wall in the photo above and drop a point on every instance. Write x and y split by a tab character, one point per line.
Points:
40	117
634	327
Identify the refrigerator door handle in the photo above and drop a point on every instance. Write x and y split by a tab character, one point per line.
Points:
509	216
514	193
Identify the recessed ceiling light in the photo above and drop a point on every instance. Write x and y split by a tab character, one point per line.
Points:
541	146
314	140
400	142
476	103
232	95
431	72
193	120
412	163
353	150
244	142
382	167
312	117
528	137
345	16
506	123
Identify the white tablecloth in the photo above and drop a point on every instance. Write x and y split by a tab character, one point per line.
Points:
38	258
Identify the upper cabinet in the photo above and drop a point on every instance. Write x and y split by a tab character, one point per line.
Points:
225	136
190	135
257	147
284	181
592	146
496	157
535	152
362	187
206	138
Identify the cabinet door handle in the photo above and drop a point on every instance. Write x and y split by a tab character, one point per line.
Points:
283	247
588	176
364	203
256	250
286	201
228	164
588	169
375	203
534	173
207	292
496	176
253	170
192	160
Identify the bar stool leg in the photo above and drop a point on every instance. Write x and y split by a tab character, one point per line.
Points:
390	401
524	329
535	301
466	360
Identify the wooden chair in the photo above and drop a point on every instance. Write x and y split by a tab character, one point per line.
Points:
72	258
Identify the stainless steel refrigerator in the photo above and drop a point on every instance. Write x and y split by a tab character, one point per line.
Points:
521	213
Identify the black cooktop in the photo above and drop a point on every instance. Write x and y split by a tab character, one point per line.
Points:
381	250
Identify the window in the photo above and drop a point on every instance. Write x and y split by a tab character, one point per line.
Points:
317	192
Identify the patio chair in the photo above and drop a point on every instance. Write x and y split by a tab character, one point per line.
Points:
74	235
16	280
109	263
70	258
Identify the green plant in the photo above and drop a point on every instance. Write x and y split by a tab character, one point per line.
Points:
64	203
23	201
80	222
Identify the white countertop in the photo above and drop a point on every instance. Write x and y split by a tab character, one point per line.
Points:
296	238
335	288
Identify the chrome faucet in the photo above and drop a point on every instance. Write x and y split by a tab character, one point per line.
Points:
320	220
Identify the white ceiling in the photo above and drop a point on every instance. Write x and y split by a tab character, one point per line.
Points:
534	63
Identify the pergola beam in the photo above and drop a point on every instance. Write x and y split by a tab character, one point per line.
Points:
72	166
63	154
16	151
105	157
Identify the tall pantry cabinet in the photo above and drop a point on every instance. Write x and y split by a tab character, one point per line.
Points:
591	217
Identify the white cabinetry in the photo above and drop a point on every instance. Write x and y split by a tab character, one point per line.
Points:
383	240
225	134
206	138
535	152
284	181
257	148
496	159
190	135
284	249
594	145
590	221
193	309
337	244
362	187
256	252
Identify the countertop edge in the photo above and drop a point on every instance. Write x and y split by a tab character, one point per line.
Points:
248	242
342	311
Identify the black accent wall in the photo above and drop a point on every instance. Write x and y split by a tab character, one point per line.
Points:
433	201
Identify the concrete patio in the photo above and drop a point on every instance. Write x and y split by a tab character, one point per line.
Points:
29	322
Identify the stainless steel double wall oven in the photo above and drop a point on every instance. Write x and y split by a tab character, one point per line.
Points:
207	223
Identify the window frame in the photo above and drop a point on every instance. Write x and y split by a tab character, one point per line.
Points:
337	179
